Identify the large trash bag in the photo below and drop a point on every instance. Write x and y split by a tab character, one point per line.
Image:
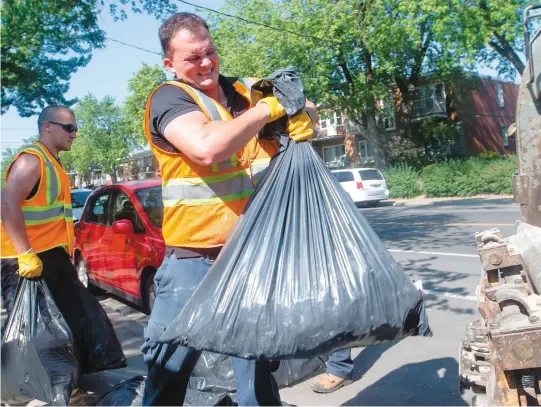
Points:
96	340
302	273
212	382
38	352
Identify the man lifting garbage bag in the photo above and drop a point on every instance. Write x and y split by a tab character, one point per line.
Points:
303	273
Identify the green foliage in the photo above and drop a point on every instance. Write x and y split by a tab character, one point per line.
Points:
140	86
469	177
104	136
44	42
402	180
489	155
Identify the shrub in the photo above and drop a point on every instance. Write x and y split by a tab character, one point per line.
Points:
402	180
468	177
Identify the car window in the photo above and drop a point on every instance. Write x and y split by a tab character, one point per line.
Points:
151	201
78	198
124	209
98	209
344	176
370	175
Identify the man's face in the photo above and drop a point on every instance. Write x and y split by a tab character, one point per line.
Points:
193	58
61	137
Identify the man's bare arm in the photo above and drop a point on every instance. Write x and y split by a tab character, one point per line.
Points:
23	176
207	142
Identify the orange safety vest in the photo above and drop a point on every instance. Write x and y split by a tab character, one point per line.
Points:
201	204
48	215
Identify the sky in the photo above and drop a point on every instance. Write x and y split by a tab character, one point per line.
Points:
109	70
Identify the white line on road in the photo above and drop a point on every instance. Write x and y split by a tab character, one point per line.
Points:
434	253
451	295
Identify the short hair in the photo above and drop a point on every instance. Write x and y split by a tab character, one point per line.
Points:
177	22
50	113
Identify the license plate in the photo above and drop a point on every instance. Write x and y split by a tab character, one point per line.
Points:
374	193
376	185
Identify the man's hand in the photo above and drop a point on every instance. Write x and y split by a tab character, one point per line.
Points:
30	265
299	127
276	110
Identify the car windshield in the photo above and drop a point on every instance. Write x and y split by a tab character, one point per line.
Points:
370	175
78	198
151	201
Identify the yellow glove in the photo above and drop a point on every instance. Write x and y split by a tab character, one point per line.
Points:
30	265
299	127
276	110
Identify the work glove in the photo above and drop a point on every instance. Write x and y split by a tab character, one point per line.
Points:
275	108
30	265
299	127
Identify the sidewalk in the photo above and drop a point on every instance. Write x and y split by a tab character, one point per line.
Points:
471	200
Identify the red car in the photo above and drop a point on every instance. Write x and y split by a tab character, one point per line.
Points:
118	241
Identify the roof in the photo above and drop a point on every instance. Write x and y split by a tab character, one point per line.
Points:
141	184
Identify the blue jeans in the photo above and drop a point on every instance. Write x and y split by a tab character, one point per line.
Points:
170	366
340	364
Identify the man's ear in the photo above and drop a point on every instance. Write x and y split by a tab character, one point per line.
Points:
168	64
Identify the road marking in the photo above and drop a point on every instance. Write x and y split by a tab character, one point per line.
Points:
398	224
435	253
451	295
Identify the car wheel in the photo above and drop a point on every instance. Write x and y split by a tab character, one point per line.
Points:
150	293
82	272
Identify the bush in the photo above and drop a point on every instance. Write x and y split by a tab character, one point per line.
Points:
468	177
402	180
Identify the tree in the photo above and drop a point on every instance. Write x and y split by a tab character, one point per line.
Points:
44	42
140	86
104	136
354	53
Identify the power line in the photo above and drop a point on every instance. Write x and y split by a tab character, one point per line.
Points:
134	46
281	30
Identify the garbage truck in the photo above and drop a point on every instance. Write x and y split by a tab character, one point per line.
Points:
500	357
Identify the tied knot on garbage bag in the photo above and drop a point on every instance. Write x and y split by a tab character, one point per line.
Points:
287	87
301	274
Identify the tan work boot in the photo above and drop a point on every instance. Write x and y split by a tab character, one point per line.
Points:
327	383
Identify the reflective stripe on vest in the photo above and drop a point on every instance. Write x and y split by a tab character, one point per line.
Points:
259	167
38	215
51	175
207	190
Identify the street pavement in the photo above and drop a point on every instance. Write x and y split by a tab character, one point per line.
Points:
434	242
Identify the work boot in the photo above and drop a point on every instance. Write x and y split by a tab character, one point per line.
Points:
328	383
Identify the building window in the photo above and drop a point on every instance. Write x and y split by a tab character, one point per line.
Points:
499	94
363	149
333	156
430	100
503	132
330	119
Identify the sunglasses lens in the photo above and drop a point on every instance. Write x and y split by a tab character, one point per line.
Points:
70	128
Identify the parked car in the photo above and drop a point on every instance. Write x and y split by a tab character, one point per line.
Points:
118	241
364	185
78	199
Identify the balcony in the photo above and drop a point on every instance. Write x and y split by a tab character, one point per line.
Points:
330	131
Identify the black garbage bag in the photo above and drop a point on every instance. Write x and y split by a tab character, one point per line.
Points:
302	273
38	352
97	344
212	382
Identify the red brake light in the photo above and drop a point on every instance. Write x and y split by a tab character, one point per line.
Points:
359	185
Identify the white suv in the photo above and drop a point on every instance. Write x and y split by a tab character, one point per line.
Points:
364	185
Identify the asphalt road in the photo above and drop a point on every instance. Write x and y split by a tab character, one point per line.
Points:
434	243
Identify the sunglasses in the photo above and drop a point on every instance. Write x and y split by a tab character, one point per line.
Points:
70	128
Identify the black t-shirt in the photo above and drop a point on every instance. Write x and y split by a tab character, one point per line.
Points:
170	102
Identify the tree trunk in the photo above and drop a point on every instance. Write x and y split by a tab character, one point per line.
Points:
375	146
505	49
113	175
